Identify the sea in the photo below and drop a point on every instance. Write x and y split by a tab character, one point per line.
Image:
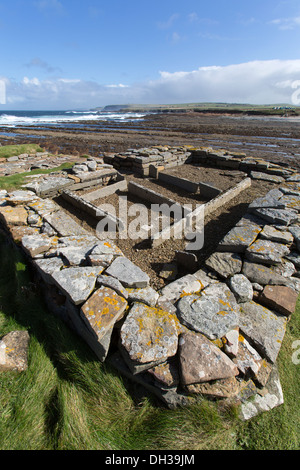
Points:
74	119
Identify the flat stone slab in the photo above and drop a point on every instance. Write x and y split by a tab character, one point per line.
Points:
263	275
47	266
239	238
112	283
257	175
35	245
278	216
13	215
188	284
14	351
104	253
77	283
146	295
291	201
102	310
267	252
270	200
213	313
264	328
128	273
202	361
52	185
283	299
64	224
106	248
225	264
21	197
149	334
274	235
43	206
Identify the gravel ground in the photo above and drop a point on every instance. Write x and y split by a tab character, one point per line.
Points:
151	260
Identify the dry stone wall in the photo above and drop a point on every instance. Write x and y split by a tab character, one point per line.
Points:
216	332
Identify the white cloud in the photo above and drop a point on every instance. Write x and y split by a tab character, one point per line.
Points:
287	23
257	82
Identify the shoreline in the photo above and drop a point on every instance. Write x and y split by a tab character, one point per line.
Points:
274	139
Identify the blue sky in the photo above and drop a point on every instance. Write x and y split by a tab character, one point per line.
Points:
62	54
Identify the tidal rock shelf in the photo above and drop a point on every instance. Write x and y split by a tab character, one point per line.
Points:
216	332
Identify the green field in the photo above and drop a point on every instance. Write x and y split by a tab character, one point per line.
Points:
68	400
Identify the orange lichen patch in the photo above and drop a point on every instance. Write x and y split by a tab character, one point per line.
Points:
149	333
103	309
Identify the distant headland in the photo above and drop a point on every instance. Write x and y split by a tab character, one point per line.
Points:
217	108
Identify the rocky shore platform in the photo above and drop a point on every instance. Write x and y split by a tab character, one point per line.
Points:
274	139
213	332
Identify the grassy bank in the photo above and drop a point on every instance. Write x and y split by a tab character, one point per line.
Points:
69	400
19	179
15	150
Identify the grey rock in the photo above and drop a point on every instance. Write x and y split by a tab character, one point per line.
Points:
267	252
291	201
262	275
112	283
269	398
265	177
247	360
294	178
99	346
128	273
270	233
213	313
225	264
21	197
77	283
294	257
34	245
52	185
64	224
147	296
241	287
149	334
278	216
188	284
295	231
239	238
270	200
263	328
47	267
102	310
92	165
170	396
285	269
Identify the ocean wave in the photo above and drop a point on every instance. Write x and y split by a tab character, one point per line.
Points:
29	119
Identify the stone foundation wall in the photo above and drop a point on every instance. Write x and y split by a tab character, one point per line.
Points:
216	332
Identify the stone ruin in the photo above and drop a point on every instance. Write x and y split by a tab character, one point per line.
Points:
214	332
